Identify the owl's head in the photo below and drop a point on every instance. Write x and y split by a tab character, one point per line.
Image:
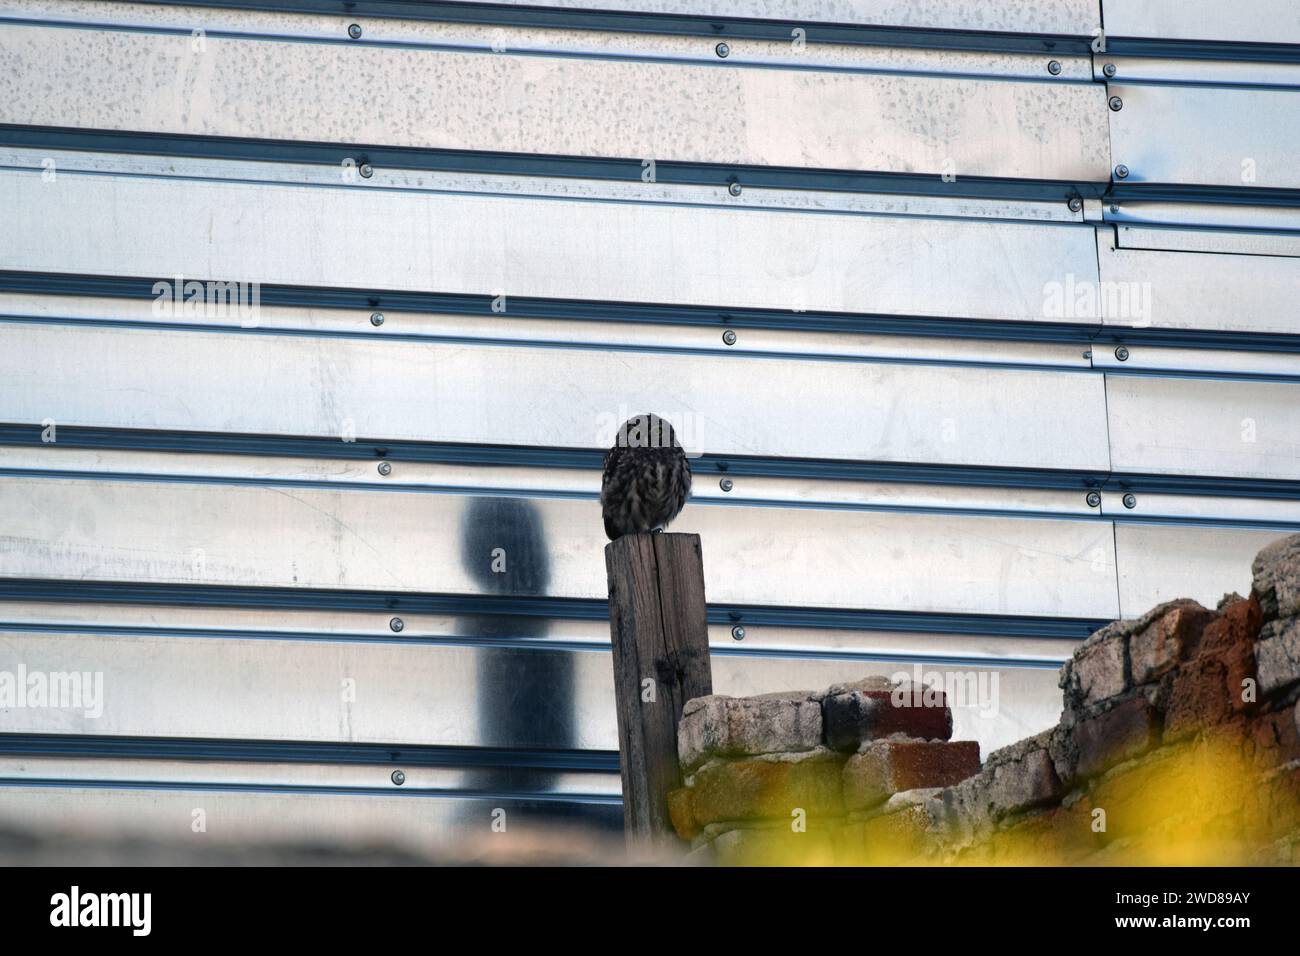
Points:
646	431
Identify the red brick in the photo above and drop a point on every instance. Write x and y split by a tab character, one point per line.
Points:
1237	625
1276	737
869	714
886	767
1199	698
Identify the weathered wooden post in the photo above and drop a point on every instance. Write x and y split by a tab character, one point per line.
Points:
660	635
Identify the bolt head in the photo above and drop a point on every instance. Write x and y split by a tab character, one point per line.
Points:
1121	353
1116	103
1076	204
726	484
366	170
1108	70
1121	171
729	337
722	50
385	468
396	625
1054	68
376	319
734	188
1114	208
1130	501
354	31
1094	499
738	632
398	777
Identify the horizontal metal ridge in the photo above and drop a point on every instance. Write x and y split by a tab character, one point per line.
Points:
523	307
1204	49
631	170
264	751
140	440
663	23
263	597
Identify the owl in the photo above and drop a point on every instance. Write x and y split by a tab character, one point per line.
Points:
647	477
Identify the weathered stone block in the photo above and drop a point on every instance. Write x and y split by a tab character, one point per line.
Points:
1019	777
774	846
1277	656
1275	737
1098	669
1277	578
1164	642
682	813
1055	836
1122	732
870	712
719	726
896	837
885	767
771	786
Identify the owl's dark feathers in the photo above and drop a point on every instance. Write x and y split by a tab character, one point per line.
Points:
647	477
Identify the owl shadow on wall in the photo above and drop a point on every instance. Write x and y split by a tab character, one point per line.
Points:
524	695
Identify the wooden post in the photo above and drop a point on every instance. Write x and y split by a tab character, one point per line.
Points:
660	634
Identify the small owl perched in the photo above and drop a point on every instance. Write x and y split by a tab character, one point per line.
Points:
647	477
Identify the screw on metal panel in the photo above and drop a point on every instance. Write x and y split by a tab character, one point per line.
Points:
726	484
396	624
734	188
1130	501
1076	204
729	337
738	632
1108	70
1114	208
385	468
722	49
1116	103
1121	171
366	170
354	31
1121	353
1054	68
398	777
1094	499
376	319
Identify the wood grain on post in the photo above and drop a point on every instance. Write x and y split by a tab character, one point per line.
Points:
660	634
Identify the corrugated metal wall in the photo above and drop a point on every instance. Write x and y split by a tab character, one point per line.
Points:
978	316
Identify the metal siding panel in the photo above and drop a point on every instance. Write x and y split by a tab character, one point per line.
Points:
485	245
403	542
1201	426
1207	136
1010	16
256	383
425	694
534	104
774	48
1244	21
1205	291
1154	565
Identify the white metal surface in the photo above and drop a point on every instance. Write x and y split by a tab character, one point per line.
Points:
488	245
533	104
929	373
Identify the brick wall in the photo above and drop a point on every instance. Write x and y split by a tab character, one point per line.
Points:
1177	744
